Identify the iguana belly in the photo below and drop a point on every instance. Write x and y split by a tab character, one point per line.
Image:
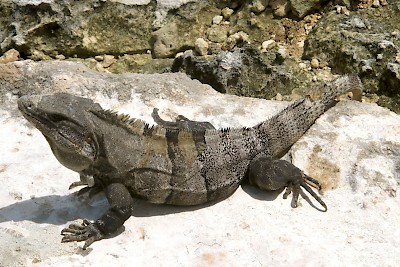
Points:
190	188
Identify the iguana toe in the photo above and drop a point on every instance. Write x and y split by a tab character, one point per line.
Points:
87	231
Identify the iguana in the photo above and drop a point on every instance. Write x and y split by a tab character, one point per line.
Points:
181	163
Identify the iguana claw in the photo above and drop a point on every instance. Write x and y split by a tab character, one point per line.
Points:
87	231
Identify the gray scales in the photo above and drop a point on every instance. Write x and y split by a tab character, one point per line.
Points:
179	163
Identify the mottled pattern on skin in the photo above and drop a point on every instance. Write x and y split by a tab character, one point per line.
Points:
180	163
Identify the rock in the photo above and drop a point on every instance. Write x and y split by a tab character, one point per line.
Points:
217	33
245	72
258	6
86	28
314	63
360	43
60	57
358	23
201	46
227	13
353	149
302	8
99	58
281	8
215	48
165	41
140	63
376	3
266	44
9	56
237	38
108	61
217	19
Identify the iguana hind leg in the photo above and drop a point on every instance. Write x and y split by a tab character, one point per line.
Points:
269	174
121	209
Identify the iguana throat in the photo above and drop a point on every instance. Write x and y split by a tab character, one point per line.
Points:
73	143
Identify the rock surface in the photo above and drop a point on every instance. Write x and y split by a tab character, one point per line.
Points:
344	36
89	28
245	72
367	42
353	149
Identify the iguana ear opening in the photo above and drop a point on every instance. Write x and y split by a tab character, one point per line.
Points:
90	146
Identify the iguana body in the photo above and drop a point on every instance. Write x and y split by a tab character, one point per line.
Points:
181	163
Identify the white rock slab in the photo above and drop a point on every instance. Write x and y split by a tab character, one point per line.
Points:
353	149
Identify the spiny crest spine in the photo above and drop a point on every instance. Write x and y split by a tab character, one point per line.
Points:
124	120
135	125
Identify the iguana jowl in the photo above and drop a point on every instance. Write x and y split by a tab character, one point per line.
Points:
179	163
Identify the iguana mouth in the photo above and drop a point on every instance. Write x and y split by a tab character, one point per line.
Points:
55	126
41	120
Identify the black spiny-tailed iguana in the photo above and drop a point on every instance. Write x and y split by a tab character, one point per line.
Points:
179	163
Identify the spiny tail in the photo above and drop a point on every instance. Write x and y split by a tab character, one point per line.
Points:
285	128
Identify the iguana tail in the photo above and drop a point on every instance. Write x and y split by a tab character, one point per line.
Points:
286	127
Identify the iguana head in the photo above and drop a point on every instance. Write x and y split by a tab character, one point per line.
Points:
64	120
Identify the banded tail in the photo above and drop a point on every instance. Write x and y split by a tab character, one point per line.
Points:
286	127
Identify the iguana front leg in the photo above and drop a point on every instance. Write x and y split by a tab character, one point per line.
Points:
83	180
121	209
269	174
91	189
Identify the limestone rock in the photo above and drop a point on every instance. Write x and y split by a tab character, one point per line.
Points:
302	8
9	56
165	41
280	7
353	149
88	28
227	12
245	72
363	44
201	46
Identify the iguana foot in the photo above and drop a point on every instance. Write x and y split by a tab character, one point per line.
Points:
305	182
270	174
87	231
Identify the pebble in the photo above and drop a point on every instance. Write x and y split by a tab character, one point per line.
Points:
266	44
314	63
278	97
258	6
376	3
99	58
9	56
358	23
217	19
60	57
227	12
280	7
201	46
108	61
303	65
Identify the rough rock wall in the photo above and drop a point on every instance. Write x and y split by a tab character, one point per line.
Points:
300	42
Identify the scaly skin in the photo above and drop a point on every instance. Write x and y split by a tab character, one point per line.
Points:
181	163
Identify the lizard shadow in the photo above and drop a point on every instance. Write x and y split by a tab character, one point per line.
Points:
58	210
259	194
51	209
